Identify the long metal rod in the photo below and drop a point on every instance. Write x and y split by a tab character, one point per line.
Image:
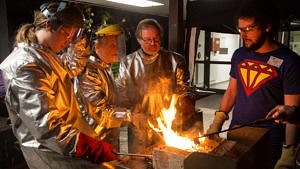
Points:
131	154
259	121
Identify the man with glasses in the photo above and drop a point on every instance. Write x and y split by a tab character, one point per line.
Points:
147	79
264	73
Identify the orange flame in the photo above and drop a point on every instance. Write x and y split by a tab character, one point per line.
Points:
172	138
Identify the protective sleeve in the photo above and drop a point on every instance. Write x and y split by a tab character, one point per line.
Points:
98	91
122	82
182	75
76	56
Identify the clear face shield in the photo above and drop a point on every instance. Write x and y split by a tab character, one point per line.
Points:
110	49
77	35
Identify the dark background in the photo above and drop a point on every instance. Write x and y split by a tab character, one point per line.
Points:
217	15
22	11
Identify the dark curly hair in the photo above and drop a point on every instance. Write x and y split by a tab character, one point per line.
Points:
263	11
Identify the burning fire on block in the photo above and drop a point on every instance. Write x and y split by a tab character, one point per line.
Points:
166	120
160	123
175	139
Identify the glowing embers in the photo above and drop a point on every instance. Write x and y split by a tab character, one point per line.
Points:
253	74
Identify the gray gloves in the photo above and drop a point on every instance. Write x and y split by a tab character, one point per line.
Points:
287	159
217	123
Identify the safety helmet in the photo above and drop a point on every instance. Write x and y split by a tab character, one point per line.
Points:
105	43
63	13
109	30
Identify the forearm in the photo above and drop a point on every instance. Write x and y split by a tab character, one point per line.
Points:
292	134
227	102
125	89
229	97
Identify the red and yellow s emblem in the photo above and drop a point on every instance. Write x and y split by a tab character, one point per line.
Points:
253	74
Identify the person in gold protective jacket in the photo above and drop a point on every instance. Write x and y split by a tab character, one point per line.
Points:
44	113
147	79
96	84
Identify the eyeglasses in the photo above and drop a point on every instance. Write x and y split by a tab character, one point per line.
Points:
247	29
68	34
149	41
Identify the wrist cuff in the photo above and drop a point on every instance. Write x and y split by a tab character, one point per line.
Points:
288	146
225	114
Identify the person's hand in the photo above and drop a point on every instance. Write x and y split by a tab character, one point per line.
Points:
284	113
94	150
118	117
122	114
82	48
217	123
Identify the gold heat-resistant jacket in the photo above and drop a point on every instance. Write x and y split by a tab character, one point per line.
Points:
97	91
41	102
138	74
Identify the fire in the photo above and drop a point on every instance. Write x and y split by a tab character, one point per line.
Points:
172	138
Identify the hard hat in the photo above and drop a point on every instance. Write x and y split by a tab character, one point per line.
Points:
63	13
110	30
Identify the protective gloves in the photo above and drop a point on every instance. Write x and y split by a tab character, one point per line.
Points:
287	159
75	58
217	123
94	150
118	116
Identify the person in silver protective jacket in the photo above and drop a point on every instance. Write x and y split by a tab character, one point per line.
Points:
45	116
96	84
147	79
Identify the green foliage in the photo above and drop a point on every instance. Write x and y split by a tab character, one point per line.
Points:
89	14
105	18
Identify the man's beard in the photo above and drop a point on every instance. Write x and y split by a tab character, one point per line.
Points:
258	44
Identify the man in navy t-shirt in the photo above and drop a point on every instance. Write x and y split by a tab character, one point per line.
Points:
264	73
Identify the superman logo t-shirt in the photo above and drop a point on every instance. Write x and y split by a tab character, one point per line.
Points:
262	81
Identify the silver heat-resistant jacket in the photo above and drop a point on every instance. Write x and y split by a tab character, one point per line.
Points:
138	74
142	82
96	87
42	104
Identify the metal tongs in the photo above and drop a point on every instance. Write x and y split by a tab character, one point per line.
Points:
253	123
135	155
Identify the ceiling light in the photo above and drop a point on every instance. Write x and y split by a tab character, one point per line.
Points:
140	3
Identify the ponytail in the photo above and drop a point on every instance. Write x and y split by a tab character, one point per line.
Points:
26	34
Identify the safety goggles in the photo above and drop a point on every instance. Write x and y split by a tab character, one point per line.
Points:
72	33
